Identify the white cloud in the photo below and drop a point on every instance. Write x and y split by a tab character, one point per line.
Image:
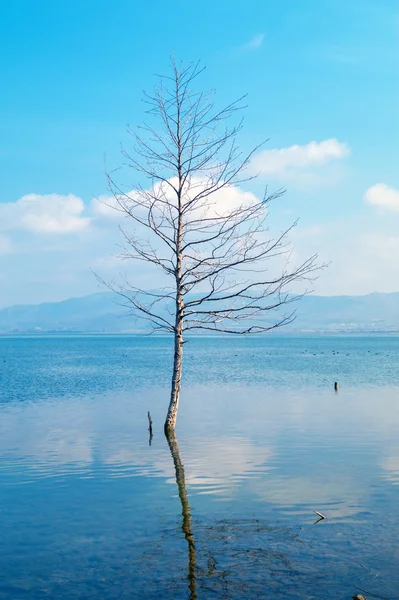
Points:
300	164
106	207
361	259
51	213
384	242
226	199
34	228
383	196
254	43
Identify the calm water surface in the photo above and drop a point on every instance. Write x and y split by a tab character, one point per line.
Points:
89	509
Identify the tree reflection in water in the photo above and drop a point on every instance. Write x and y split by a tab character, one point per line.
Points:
186	512
254	559
243	559
244	567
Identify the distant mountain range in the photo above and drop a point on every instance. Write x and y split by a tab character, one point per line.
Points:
101	313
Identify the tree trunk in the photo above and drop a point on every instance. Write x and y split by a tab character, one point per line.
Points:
171	417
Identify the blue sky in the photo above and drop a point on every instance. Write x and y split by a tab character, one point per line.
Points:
322	83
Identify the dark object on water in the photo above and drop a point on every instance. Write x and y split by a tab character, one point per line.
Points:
150	427
336	386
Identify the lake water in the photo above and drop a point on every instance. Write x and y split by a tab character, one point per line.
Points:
90	509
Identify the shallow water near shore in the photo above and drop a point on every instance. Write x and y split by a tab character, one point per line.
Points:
89	508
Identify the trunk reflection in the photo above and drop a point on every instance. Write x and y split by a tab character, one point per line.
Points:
185	509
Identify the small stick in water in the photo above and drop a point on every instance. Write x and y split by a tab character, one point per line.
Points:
150	427
319	513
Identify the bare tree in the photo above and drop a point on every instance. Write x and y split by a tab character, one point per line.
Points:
207	237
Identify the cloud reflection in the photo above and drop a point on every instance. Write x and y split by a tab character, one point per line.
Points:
297	451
